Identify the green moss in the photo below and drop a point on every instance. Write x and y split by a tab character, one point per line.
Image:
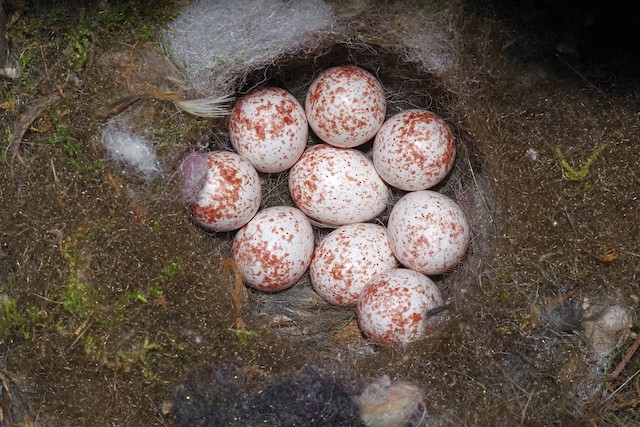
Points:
504	279
78	46
126	359
140	20
245	337
77	298
173	132
170	271
63	137
507	329
12	321
156	226
9	317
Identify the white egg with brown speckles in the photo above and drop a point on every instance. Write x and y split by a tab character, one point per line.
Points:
414	150
345	106
222	189
393	307
273	251
428	232
269	128
337	186
346	259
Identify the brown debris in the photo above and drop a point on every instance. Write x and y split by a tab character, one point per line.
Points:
25	122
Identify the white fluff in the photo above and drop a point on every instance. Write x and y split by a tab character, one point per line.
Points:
215	39
131	151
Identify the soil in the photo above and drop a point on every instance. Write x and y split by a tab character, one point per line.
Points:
113	299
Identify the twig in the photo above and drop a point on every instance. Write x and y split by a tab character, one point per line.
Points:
80	332
627	357
237	296
122	104
622	385
569	294
524	410
26	121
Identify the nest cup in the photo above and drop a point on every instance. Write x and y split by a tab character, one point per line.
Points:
302	307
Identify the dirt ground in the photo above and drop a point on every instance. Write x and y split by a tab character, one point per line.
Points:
112	300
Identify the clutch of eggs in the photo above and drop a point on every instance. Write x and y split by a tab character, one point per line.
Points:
334	185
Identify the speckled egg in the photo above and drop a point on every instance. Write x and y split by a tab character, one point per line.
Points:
269	128
347	258
345	106
273	251
428	232
392	309
414	150
222	188
337	186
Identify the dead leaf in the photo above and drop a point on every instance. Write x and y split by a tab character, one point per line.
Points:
610	255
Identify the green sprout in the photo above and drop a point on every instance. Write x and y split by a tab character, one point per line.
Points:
569	173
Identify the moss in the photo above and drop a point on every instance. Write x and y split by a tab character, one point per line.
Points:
24	325
73	150
169	272
246	337
9	317
79	46
77	298
507	329
504	279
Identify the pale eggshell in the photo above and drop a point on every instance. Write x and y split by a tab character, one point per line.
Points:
345	106
337	186
428	232
347	258
414	150
392	308
229	190
269	128
273	251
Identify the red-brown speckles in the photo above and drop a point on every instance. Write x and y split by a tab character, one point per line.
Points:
336	273
345	106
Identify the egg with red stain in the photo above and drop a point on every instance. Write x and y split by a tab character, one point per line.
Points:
346	259
269	128
414	150
337	186
428	232
273	251
222	188
345	106
392	309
